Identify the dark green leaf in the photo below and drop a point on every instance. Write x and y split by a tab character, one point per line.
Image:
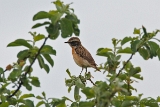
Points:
1	70
27	96
46	67
138	76
26	84
66	27
68	73
29	103
14	74
127	103
22	54
62	104
125	40
53	31
153	47
40	24
135	45
76	30
73	18
126	50
40	103
35	81
89	92
47	49
136	31
38	37
134	71
20	42
149	102
44	94
39	97
41	15
86	104
158	53
76	93
158	99
59	5
144	53
49	59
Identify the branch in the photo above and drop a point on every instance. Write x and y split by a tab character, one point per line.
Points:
125	64
25	74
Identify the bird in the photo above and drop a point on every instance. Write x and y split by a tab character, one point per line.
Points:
81	55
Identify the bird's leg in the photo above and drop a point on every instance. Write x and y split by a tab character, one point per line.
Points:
81	71
86	70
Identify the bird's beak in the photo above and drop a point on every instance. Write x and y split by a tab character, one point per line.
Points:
66	42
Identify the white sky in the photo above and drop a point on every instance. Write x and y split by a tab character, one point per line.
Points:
100	21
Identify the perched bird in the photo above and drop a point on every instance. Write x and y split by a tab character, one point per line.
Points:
81	55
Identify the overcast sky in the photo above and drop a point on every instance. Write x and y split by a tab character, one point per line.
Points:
100	21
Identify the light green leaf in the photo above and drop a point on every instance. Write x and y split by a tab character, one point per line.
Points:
76	93
79	83
20	42
89	92
136	31
125	40
6	104
38	37
27	96
54	19
49	59
41	15
22	54
39	97
86	104
66	27
126	50
40	24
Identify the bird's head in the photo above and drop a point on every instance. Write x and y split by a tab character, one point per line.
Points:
74	42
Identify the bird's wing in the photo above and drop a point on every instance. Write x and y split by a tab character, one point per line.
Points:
84	53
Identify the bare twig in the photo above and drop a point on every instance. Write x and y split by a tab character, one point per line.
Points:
25	74
92	82
125	64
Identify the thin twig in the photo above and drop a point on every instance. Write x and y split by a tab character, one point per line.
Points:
92	82
125	64
25	74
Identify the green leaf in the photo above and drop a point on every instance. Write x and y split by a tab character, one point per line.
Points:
39	97
126	50
54	19
38	37
135	45
73	18
44	94
125	40
144	53
6	104
22	54
76	30
138	76
26	84
68	73
103	51
136	31
49	59
35	81
41	15
158	99
158	53
134	71
40	24
53	31
47	49
86	104
149	102
59	5
29	103
89	92
40	103
62	104
66	27
153	48
27	96
1	70
46	67
20	42
79	83
127	103
14	74
76	93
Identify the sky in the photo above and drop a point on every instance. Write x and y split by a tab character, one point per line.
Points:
100	21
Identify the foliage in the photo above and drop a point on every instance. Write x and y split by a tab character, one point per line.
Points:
120	75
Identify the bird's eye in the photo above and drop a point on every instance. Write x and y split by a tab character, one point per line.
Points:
74	43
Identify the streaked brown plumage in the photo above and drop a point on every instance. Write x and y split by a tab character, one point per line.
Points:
81	55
